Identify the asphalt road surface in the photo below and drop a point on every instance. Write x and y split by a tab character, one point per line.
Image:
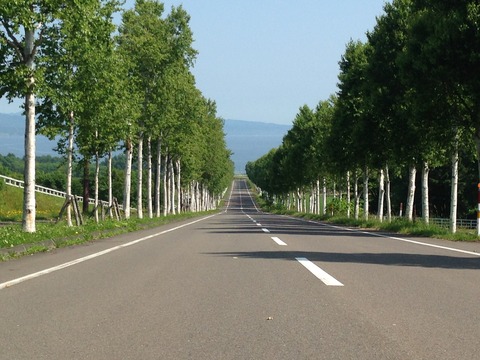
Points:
243	284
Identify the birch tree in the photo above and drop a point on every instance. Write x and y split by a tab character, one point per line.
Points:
79	79
441	37
152	42
351	137
23	34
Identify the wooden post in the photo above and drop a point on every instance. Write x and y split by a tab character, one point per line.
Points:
64	207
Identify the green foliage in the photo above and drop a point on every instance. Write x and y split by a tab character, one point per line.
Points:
11	165
406	96
338	206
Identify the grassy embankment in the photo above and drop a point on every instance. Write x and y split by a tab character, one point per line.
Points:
59	234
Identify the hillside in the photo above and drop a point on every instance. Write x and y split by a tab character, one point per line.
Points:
248	140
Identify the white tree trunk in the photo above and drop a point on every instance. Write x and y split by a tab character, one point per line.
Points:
454	192
165	184
157	179
357	197
381	194
197	197
205	199
324	193
365	193
97	173
425	207
179	190
304	202
349	195
140	178
149	178
388	194
29	202
128	178
69	168
192	197
172	186
110	186
411	191
313	199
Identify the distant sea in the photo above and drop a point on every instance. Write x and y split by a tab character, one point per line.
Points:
248	140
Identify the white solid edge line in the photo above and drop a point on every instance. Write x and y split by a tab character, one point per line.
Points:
392	237
424	244
92	256
278	241
326	278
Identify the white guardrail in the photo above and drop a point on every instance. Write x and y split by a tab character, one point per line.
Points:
52	192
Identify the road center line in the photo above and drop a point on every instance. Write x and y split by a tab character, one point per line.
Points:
278	241
326	278
92	256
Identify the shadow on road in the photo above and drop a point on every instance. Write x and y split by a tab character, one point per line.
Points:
389	259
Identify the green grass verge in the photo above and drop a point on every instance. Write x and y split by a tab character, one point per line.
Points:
400	225
50	234
61	235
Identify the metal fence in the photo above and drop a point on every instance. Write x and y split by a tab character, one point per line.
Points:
52	192
461	223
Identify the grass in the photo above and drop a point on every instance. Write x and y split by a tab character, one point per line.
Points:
399	225
60	235
51	234
11	198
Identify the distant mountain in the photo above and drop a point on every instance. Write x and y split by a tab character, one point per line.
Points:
12	135
248	140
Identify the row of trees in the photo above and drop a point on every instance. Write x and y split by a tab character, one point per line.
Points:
408	99
99	88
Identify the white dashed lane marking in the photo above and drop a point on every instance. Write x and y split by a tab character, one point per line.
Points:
278	241
326	278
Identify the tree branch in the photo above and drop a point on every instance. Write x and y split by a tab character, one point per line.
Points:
11	39
39	41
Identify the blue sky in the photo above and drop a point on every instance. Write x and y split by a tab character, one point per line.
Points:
261	60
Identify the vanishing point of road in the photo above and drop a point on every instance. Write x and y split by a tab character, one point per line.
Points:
243	284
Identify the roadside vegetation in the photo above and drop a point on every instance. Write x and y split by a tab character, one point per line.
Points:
51	234
399	225
100	89
401	136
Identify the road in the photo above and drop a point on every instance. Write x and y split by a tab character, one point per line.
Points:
243	284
